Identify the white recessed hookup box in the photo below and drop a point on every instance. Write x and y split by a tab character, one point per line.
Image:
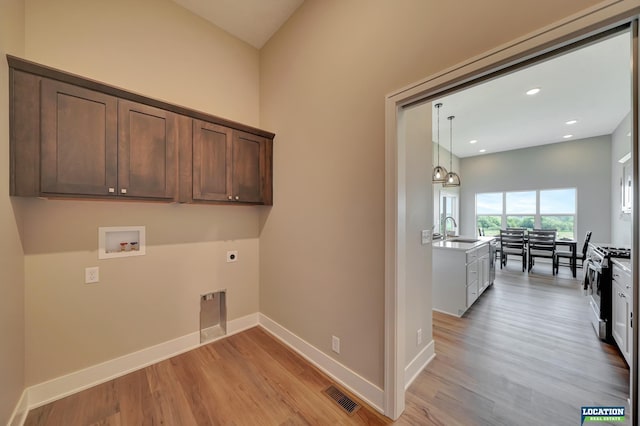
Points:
121	241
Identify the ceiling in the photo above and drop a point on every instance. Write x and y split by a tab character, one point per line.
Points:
253	21
591	85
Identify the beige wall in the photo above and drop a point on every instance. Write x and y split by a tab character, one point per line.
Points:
153	47
324	77
418	216
11	257
158	49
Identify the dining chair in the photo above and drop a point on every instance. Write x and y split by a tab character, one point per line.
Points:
512	243
581	256
542	244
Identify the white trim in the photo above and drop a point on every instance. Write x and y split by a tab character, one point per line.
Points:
604	15
394	301
419	363
20	412
52	390
361	387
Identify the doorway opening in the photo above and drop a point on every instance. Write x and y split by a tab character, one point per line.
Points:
499	63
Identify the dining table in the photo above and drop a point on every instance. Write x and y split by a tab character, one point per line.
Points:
572	244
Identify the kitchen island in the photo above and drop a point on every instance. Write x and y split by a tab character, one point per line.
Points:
463	268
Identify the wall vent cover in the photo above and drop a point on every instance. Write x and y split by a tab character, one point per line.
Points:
346	403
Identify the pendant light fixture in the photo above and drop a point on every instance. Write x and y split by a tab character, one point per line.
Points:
439	172
452	178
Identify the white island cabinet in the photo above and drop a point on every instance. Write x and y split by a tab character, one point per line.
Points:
461	273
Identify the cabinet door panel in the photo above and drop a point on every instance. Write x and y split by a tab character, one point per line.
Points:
248	167
620	316
211	161
147	151
78	140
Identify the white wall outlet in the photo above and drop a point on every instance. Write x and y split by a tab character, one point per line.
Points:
419	337
335	344
427	236
91	275
232	255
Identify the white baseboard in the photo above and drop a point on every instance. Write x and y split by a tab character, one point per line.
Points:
417	364
362	388
46	392
20	412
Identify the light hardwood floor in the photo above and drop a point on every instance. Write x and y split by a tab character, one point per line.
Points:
524	354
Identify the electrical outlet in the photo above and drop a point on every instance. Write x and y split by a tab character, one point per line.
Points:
232	256
427	236
419	337
335	344
91	275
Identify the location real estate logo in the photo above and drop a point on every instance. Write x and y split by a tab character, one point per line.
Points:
602	414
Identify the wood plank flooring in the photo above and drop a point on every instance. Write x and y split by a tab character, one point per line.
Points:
246	379
524	354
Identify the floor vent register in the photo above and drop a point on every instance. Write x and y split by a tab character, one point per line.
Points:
346	403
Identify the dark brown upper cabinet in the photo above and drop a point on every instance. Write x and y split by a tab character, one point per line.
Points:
78	140
74	137
92	144
147	151
229	165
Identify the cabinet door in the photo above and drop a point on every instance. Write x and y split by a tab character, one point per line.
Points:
483	274
472	273
620	314
147	151
78	140
249	167
211	162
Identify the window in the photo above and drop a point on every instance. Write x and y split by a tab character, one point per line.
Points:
545	209
558	211
521	209
489	213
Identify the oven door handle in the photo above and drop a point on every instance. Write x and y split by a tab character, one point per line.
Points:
596	268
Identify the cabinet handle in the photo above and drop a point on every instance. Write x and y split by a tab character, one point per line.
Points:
123	191
230	197
112	190
237	198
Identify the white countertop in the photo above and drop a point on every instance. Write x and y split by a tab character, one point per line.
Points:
464	246
623	263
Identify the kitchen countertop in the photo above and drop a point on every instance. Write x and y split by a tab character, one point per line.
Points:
453	245
623	263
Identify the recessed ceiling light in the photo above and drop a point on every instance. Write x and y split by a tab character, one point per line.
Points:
473	141
483	150
570	122
533	91
567	136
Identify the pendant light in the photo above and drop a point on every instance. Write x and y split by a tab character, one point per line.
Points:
439	172
452	178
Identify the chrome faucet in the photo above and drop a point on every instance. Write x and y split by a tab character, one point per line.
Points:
455	225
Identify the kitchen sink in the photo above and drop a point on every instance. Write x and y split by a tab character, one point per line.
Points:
463	240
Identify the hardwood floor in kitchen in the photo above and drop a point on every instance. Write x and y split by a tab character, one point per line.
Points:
524	354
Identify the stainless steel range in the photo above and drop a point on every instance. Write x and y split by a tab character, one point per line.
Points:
597	285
